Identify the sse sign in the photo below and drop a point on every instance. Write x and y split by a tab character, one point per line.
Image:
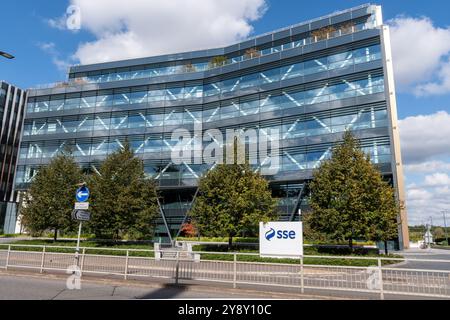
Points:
281	239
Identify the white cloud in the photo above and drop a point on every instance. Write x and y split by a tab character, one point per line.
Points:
424	137
52	51
427	166
437	179
423	202
57	23
142	28
420	55
426	149
441	86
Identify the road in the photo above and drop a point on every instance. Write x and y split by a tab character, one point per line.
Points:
249	275
426	254
25	286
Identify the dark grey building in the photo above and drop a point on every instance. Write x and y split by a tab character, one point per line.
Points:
310	81
12	112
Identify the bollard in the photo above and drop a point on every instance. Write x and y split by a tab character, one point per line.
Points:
380	279
42	260
7	257
126	265
302	286
82	261
234	270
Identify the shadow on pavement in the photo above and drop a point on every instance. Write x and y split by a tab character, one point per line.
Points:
169	291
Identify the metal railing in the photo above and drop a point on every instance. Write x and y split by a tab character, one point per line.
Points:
308	272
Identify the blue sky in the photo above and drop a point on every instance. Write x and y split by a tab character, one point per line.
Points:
34	31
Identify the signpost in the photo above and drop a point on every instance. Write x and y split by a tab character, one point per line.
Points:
80	214
82	194
281	239
81	205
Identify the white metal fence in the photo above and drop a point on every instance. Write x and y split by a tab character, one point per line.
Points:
180	266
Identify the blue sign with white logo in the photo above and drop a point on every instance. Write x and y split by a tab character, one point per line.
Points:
82	194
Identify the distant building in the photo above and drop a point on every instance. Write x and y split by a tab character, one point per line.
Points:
12	112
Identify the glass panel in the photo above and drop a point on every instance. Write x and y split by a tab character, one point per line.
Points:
250	80
156	95
121	98
136	121
292	71
41	106
211	114
73	103
228	111
155	120
56	105
88	102
104	100
101	122
211	89
249	107
119	122
316	65
173	118
193	92
99	148
138	97
230	85
270	76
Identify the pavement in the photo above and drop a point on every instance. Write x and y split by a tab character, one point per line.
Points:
425	254
26	286
10	240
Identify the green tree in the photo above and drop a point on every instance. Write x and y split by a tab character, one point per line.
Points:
232	199
349	198
123	200
438	233
49	202
384	222
217	61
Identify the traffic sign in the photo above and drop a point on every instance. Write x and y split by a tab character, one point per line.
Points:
81	205
81	215
82	194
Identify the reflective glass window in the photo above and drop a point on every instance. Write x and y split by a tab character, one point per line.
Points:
121	98
136	121
104	100
119	122
88	102
250	80
315	66
292	71
138	97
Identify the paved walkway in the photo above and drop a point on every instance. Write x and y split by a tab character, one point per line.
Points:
24	286
426	254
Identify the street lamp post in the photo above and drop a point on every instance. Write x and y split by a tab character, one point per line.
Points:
445	227
6	55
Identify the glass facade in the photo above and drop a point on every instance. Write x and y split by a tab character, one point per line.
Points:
120	74
334	82
137	95
12	112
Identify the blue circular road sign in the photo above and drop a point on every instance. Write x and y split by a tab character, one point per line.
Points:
82	194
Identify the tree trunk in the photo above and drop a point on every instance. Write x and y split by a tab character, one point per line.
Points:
230	241
350	243
55	235
385	247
